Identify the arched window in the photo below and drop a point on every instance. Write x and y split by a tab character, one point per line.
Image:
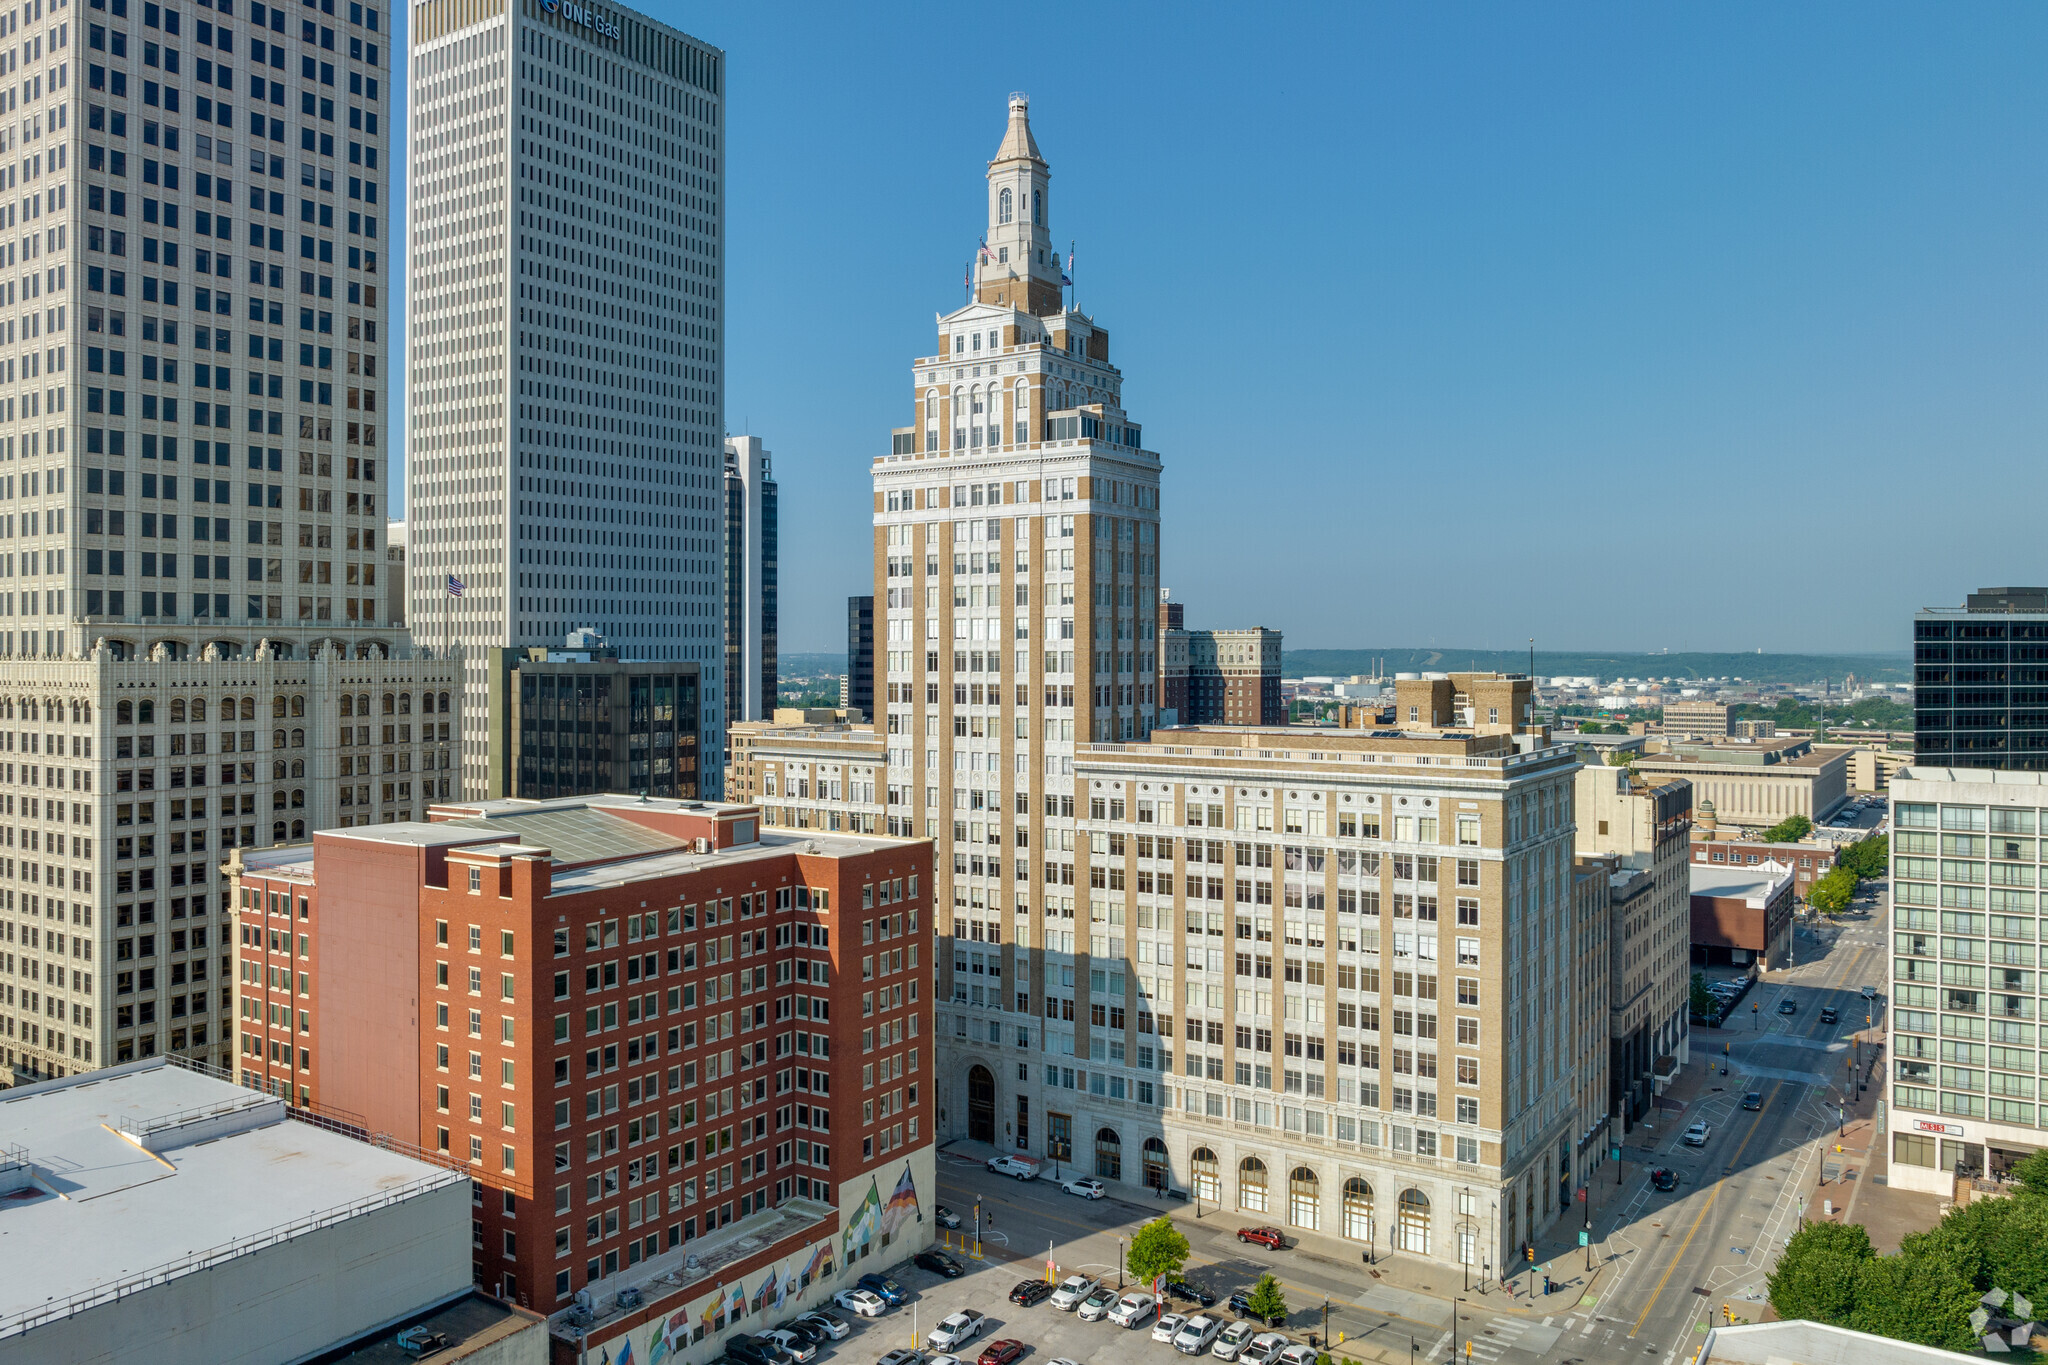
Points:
277	832
1358	1209
1251	1184
1304	1198
1109	1154
390	704
198	710
1208	1179
277	797
298	739
405	703
298	798
1037	210
277	739
298	829
177	710
1155	1164
145	713
362	703
1414	1222
348	704
277	708
298	767
1003	208
124	713
248	708
298	706
444	703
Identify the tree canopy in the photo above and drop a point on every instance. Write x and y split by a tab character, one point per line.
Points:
1266	1300
1788	830
1157	1250
1830	894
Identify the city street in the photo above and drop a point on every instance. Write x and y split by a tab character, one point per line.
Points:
1664	1263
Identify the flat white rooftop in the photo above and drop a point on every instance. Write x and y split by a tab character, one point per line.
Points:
1733	880
136	1174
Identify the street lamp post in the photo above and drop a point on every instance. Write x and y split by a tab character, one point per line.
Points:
1119	1264
1455	1304
1464	1261
1326	1320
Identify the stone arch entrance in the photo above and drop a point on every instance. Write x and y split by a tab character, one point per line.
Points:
981	1104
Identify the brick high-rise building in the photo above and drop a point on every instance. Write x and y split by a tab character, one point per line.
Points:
566	197
1234	678
657	1035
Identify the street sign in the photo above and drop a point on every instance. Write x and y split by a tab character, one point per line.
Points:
1585	1237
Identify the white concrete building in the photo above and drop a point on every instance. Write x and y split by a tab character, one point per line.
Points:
1966	919
154	1209
566	339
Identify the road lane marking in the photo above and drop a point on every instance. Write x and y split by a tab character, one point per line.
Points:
1704	1210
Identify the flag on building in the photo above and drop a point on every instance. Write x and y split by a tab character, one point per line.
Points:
455	586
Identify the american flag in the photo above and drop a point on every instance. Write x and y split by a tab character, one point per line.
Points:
454	586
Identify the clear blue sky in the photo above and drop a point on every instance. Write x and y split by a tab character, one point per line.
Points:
1622	326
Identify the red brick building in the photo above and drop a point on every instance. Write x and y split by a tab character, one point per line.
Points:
649	1028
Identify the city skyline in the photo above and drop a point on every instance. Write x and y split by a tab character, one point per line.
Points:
1855	299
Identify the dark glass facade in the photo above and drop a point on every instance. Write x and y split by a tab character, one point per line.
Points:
579	728
860	654
1980	682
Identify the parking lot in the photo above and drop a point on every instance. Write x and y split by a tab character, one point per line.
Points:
1047	1333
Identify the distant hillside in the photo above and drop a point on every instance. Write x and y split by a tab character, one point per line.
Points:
1772	668
808	665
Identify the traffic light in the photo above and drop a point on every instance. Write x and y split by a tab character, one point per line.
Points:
1728	1314
1530	1252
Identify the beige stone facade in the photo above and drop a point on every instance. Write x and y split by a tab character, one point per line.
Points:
1757	784
1644	827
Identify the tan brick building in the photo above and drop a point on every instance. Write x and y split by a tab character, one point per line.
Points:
1340	988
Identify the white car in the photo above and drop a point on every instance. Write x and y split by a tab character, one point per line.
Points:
861	1301
801	1351
1232	1341
1297	1354
1168	1324
1697	1135
1096	1306
1133	1310
1262	1348
956	1331
1072	1290
1013	1167
1196	1333
830	1326
1087	1189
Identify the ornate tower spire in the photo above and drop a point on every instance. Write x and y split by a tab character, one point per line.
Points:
1020	269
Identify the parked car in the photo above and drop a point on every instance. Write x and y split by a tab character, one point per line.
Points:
810	1332
1697	1135
1087	1189
956	1331
1028	1292
901	1356
1788	1006
753	1350
835	1328
1096	1306
1133	1310
861	1301
1261	1349
939	1263
1241	1305
1870	992
1072	1290
1168	1324
1232	1340
1753	1101
1271	1238
796	1345
1299	1353
1186	1289
1015	1167
1830	1015
886	1289
1196	1333
945	1217
1001	1352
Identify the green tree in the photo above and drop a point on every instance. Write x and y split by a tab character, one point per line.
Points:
1158	1250
1913	1299
1703	1002
1617	758
1867	857
1789	830
1266	1300
2031	1173
1831	894
1816	1275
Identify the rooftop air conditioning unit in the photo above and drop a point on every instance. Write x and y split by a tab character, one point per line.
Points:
703	845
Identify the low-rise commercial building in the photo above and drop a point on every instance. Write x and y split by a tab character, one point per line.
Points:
1757	785
1714	846
824	774
154	1209
674	1050
1742	915
1696	719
